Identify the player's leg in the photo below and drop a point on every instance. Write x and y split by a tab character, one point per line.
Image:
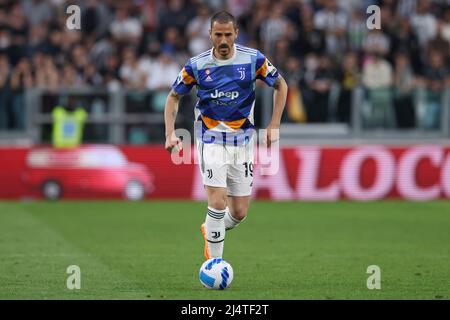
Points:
213	166
240	182
213	229
236	211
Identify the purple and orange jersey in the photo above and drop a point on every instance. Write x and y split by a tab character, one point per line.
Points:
226	91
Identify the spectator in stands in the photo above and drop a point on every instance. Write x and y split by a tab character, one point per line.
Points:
95	18
91	76
102	49
349	77
424	22
126	29
5	39
310	66
439	43
131	73
294	31
404	84
47	75
321	85
161	78
350	6
281	54
18	26
376	42
69	76
175	45
377	72
110	73
54	43
250	22
377	78
405	40
435	76
389	22
238	7
406	8
293	12
37	40
21	80
90	18
198	31
311	40
69	40
295	108
445	27
79	59
356	31
274	28
171	40
37	12
293	73
333	22
165	70
150	57
176	14
5	70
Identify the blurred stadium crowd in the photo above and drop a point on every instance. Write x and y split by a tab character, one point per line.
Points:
318	45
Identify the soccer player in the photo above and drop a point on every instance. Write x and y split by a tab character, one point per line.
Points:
225	77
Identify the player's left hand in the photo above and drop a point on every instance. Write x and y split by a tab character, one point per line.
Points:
272	134
173	143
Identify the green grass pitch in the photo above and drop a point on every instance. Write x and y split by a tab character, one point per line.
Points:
284	250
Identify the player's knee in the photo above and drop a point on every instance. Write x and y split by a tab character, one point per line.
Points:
240	212
218	204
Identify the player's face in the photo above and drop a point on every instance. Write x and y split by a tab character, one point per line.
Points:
223	36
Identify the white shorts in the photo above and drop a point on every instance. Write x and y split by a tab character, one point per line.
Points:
227	166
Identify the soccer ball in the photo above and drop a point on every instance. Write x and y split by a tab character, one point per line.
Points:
216	273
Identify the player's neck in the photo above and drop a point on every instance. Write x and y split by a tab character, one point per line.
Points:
227	57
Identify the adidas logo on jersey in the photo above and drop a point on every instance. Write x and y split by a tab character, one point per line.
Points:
208	77
229	94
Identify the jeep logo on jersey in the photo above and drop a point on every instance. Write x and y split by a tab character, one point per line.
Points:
230	94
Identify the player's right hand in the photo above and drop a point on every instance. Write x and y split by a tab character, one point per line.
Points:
173	143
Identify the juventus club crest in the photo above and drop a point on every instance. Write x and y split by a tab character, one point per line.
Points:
241	73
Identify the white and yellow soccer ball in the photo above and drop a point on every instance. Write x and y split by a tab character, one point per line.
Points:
216	273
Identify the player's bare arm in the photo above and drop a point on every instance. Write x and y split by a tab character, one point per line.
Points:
170	114
279	101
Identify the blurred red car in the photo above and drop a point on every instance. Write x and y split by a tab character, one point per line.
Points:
90	171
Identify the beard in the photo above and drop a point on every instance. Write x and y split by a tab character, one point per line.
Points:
224	50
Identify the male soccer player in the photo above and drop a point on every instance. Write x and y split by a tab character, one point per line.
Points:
225	78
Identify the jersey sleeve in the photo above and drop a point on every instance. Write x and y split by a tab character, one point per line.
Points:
265	70
185	80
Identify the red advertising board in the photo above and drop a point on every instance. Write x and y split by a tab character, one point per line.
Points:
317	173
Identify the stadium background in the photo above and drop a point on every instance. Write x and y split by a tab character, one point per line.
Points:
367	118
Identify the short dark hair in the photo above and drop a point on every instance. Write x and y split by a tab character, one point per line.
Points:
223	17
